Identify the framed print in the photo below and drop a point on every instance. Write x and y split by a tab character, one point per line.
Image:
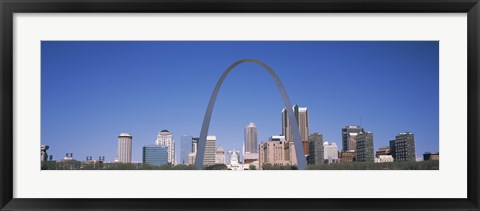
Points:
244	105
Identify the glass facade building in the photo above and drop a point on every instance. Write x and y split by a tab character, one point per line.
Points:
185	149
155	155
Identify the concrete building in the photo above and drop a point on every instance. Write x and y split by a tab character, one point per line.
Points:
347	156
250	158
272	152
315	149
349	137
330	152
124	151
365	147
251	134
165	138
403	147
220	156
210	148
301	114
155	155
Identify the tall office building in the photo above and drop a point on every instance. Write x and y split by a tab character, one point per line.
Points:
124	153
349	137
210	150
219	156
185	149
403	147
365	147
315	149
301	114
195	144
165	138
330	152
155	155
251	138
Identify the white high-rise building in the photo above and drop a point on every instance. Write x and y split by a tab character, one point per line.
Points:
210	150
251	134
165	138
330	152
220	156
124	152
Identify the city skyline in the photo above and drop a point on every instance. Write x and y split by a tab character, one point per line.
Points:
414	63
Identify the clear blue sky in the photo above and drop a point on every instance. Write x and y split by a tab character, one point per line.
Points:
92	91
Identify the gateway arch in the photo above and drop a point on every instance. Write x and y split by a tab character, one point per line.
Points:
297	141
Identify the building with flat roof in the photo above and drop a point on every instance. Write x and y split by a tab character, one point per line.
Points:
315	149
349	137
155	155
220	156
210	150
273	152
185	149
301	114
124	150
384	159
347	156
365	147
403	147
330	152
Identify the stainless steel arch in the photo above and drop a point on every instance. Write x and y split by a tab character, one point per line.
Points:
208	114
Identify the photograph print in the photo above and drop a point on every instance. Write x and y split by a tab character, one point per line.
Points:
239	105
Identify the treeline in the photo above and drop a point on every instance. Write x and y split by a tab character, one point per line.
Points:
269	166
77	165
409	165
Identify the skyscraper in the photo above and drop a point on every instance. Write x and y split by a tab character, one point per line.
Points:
349	137
185	149
155	155
403	147
301	114
124	153
165	138
315	149
210	148
251	138
365	147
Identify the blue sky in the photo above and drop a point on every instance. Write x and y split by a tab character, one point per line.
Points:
92	91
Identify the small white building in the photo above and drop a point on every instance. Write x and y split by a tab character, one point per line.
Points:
330	152
384	159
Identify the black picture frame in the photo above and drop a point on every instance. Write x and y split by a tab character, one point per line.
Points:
9	7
